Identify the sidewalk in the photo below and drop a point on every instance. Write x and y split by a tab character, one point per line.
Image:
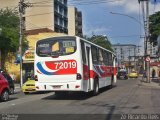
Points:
154	83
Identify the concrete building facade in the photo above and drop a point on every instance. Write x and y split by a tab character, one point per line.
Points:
127	55
51	15
74	21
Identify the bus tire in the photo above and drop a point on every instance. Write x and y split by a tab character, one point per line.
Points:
96	87
112	82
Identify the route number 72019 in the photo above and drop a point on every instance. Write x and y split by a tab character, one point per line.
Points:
65	65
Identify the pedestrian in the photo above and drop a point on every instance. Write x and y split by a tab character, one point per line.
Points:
159	76
144	75
12	76
153	73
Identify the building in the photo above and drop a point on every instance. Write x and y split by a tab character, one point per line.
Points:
127	55
42	14
12	4
74	22
52	15
152	50
124	52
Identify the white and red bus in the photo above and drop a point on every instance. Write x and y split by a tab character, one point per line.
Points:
70	63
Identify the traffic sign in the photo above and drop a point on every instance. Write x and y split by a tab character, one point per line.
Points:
147	59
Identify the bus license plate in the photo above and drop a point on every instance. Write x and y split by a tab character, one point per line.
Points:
56	86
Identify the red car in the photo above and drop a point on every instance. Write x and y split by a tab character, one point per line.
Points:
4	88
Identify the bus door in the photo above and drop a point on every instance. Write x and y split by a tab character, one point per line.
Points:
88	49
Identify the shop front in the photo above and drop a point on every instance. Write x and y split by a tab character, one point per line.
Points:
155	66
28	65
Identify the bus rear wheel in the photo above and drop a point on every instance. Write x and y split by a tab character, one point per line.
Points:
112	82
96	87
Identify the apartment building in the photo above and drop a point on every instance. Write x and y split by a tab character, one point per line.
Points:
152	50
74	21
41	14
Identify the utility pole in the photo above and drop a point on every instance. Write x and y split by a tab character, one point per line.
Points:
22	7
135	58
146	27
129	57
147	33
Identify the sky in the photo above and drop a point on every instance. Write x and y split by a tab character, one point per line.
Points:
98	20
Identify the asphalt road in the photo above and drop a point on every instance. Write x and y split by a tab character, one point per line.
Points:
128	97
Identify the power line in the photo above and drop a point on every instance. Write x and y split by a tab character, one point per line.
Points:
43	2
125	36
93	2
36	4
39	14
79	1
34	26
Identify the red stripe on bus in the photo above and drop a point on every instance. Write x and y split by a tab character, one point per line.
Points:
85	72
114	71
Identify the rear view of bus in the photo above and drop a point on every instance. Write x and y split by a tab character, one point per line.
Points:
56	61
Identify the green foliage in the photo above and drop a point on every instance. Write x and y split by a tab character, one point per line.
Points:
154	27
9	23
101	41
9	37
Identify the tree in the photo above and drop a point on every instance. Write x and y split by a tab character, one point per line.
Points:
154	27
9	38
101	41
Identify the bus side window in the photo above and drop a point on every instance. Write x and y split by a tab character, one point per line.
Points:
94	55
110	59
83	52
105	58
100	57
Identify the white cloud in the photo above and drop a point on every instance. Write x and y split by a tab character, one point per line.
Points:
132	6
96	30
154	8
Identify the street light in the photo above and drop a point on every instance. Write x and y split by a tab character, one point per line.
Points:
129	17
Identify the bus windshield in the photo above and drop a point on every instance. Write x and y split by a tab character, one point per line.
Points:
51	47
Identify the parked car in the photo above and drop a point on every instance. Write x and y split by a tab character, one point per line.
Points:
122	75
4	88
29	86
133	74
10	82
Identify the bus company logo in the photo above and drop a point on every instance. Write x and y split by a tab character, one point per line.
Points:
62	67
103	71
99	70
